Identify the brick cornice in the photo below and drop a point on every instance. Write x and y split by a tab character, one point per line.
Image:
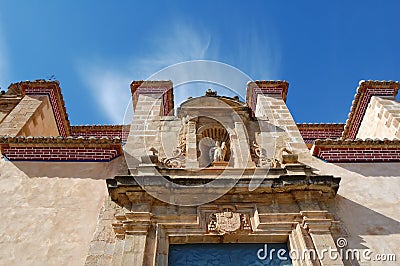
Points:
80	128
60	149
140	84
358	150
268	87
320	126
53	91
310	132
365	91
58	140
110	131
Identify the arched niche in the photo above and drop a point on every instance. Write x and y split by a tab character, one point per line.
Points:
209	134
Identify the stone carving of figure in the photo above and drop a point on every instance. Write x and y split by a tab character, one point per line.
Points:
217	153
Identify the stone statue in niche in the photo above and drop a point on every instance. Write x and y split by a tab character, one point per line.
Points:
217	153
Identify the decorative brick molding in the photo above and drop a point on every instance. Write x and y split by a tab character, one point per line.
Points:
346	151
162	89
98	131
365	91
60	149
53	91
269	87
311	132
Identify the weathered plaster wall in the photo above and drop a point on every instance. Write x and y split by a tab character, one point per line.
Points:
49	211
368	204
381	119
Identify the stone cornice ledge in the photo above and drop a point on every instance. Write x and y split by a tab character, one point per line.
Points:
327	185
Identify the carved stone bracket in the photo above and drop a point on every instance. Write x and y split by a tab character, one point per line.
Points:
131	223
317	221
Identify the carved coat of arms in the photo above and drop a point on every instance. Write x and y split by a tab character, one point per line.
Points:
227	222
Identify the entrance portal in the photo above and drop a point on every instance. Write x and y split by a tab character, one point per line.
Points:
228	254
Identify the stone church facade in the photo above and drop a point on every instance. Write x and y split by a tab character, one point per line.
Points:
213	170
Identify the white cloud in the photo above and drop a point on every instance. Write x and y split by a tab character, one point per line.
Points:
110	86
109	82
182	44
110	89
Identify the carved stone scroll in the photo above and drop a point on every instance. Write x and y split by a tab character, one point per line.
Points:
261	159
176	161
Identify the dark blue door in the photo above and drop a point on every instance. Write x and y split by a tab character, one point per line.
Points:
228	254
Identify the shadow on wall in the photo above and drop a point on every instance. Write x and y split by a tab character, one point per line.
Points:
92	170
372	169
359	221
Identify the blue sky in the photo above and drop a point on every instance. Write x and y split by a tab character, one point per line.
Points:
95	48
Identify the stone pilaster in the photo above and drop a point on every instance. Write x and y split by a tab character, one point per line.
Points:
318	225
298	243
133	253
241	147
191	146
267	101
137	226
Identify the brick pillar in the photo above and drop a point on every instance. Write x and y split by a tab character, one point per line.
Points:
151	99
267	101
156	90
365	91
31	113
53	91
270	88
